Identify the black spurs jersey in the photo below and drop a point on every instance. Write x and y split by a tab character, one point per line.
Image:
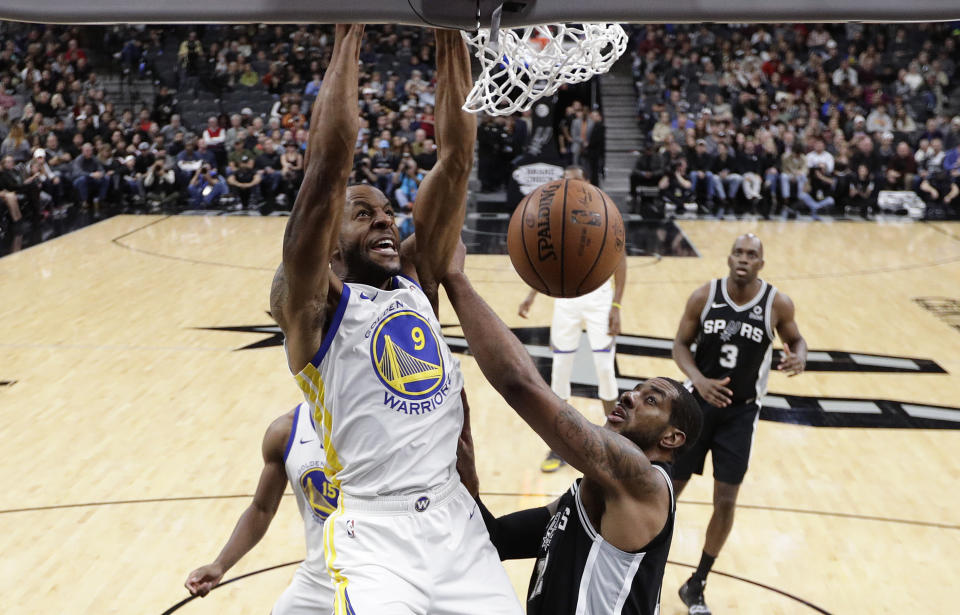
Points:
734	340
580	573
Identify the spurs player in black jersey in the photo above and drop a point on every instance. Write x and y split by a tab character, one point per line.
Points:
732	322
603	545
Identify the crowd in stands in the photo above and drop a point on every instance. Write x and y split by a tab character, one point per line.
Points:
752	117
226	128
778	118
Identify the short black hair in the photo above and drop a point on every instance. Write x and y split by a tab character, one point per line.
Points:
686	415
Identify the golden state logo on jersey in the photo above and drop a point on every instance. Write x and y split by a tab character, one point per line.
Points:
321	494
406	358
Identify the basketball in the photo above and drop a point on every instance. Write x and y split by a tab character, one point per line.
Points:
566	238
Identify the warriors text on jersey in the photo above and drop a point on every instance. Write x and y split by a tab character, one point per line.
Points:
735	340
384	393
579	573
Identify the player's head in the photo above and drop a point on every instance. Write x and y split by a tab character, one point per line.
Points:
746	258
660	416
368	247
574	172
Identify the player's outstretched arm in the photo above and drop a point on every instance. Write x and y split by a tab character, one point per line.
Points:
794	358
619	284
603	455
526	304
314	223
442	199
714	392
255	520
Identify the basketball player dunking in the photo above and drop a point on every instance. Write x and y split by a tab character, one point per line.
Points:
382	385
599	310
292	453
603	545
732	321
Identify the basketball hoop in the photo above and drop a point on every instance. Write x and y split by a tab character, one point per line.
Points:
520	65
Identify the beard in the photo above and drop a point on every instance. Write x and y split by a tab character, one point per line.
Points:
361	268
646	439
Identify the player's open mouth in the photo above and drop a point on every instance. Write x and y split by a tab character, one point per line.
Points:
741	270
618	415
385	246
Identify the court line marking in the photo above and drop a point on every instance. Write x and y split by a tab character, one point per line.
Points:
812	276
116	241
118	347
785	594
233	496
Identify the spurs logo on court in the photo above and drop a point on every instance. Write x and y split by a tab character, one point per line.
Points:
422	503
805	410
944	308
321	494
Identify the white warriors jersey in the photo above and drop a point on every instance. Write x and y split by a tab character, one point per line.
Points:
316	498
384	393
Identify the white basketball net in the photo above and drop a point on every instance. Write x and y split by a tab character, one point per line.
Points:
522	65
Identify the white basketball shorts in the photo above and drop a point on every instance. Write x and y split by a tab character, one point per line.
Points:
306	595
415	554
571	315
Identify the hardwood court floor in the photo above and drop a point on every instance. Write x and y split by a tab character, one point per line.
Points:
131	431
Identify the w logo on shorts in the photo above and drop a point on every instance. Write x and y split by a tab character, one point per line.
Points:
421	504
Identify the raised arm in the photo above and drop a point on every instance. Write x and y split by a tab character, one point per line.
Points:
714	391
601	454
442	198
255	520
794	358
314	223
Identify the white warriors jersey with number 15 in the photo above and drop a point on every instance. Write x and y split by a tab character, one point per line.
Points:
384	393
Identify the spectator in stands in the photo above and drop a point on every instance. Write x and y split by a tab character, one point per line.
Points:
205	154
701	174
269	165
878	121
291	170
427	158
751	167
675	188
90	178
212	142
16	144
863	193
726	179
594	151
11	184
820	165
580	128
647	170
129	181
793	172
384	164
903	167
206	187
244	180
407	180
188	162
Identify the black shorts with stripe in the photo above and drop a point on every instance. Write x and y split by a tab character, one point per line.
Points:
728	434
